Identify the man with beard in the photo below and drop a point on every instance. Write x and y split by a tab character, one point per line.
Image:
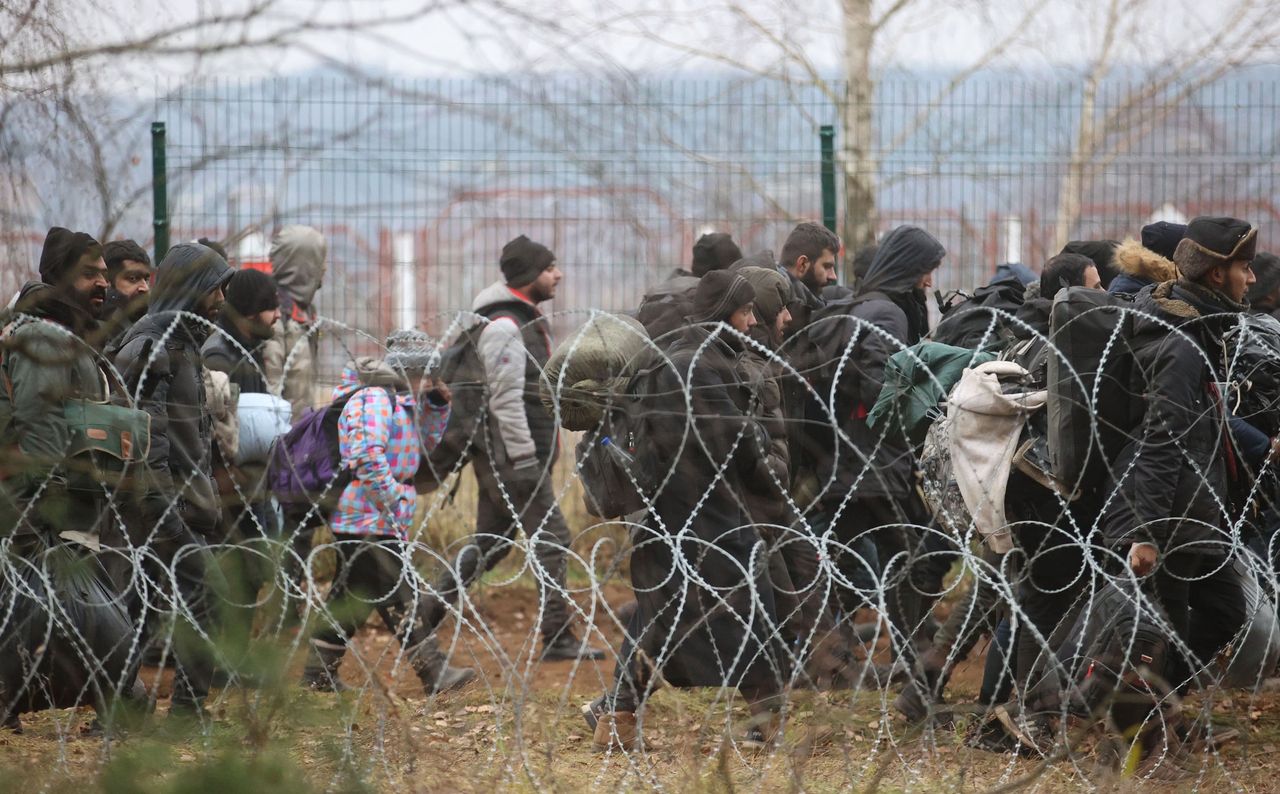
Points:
129	283
1172	523
866	487
235	348
518	446
161	364
809	262
49	367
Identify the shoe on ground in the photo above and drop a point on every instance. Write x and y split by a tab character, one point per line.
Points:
614	731
452	679
567	647
321	681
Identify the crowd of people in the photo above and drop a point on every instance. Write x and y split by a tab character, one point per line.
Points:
800	465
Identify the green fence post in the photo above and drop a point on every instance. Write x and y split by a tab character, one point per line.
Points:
827	135
159	191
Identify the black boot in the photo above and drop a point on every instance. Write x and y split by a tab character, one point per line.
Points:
434	670
565	645
321	671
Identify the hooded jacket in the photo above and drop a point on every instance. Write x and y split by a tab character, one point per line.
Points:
514	348
855	338
43	364
224	350
1137	267
298	256
161	364
1174	475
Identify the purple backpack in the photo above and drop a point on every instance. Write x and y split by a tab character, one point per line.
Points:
306	468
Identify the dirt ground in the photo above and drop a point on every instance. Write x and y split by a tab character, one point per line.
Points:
518	728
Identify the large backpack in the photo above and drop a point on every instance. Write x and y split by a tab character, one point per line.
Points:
617	465
1091	381
461	368
305	471
968	322
665	308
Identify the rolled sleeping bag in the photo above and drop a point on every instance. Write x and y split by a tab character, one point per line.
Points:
263	417
588	366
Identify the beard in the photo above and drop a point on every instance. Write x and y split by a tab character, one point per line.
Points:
812	280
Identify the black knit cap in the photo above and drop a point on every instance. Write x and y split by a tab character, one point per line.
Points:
523	261
1163	237
62	251
720	293
251	292
117	252
714	251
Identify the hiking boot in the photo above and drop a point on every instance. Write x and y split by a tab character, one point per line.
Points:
616	730
321	671
764	730
567	647
434	671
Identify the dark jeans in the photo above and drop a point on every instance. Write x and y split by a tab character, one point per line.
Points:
496	527
375	572
177	575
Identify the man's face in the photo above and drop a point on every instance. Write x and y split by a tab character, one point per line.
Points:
1235	279
1091	278
88	284
782	322
134	279
744	318
210	304
818	274
926	281
543	287
262	324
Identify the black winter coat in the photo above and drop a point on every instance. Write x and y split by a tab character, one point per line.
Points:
161	364
1173	479
689	568
220	353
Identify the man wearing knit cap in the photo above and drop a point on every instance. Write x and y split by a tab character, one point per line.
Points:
1169	519
693	597
517	446
714	251
50	364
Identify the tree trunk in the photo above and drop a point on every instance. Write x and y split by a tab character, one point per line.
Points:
857	147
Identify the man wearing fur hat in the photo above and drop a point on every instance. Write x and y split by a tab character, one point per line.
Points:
1170	521
518	446
1141	264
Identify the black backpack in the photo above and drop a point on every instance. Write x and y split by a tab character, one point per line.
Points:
1094	399
463	371
665	308
967	320
618	465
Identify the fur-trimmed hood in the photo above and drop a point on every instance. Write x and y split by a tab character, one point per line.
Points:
1134	259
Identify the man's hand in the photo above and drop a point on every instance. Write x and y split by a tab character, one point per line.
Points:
1142	558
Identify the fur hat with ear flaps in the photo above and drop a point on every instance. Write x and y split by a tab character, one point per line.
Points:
1214	241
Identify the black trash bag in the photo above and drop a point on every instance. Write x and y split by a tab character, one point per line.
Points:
65	637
